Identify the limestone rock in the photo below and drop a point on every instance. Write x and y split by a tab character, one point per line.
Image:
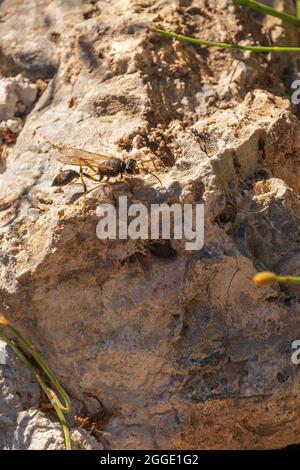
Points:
34	431
180	349
17	96
22	425
19	391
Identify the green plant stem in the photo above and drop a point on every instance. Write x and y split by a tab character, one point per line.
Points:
294	20
65	408
65	427
53	398
293	279
298	9
202	42
24	359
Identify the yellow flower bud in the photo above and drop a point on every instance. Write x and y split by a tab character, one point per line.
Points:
264	278
3	320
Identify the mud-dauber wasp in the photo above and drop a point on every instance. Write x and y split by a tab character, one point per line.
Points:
101	166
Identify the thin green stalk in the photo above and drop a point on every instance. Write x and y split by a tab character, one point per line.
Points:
24	359
294	20
298	8
202	42
293	279
52	396
65	408
65	427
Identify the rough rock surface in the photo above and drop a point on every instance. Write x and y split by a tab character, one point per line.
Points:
180	347
18	391
22	425
34	431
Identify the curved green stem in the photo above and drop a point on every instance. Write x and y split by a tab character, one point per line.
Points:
65	427
294	20
65	408
202	42
52	396
24	359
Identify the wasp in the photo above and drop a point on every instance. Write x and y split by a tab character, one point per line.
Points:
101	166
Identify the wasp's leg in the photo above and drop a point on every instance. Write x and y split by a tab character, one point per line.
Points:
95	173
91	167
92	177
124	181
107	183
99	180
82	174
109	186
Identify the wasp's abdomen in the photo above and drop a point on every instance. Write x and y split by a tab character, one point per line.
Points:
65	177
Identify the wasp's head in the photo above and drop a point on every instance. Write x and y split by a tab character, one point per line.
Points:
132	166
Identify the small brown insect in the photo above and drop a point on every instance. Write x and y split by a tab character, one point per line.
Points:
101	166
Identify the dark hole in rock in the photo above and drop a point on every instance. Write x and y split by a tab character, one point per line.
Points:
281	377
227	215
162	249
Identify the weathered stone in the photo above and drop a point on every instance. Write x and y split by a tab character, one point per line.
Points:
34	431
19	391
180	347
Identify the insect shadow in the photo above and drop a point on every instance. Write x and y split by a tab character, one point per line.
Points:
136	188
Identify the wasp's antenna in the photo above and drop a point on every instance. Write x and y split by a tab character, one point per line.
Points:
150	173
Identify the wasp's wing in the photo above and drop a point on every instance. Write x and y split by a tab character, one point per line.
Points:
74	156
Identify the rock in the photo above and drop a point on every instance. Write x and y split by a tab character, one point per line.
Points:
17	95
8	101
83	441
19	391
34	431
2	352
27	34
179	347
14	125
22	426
